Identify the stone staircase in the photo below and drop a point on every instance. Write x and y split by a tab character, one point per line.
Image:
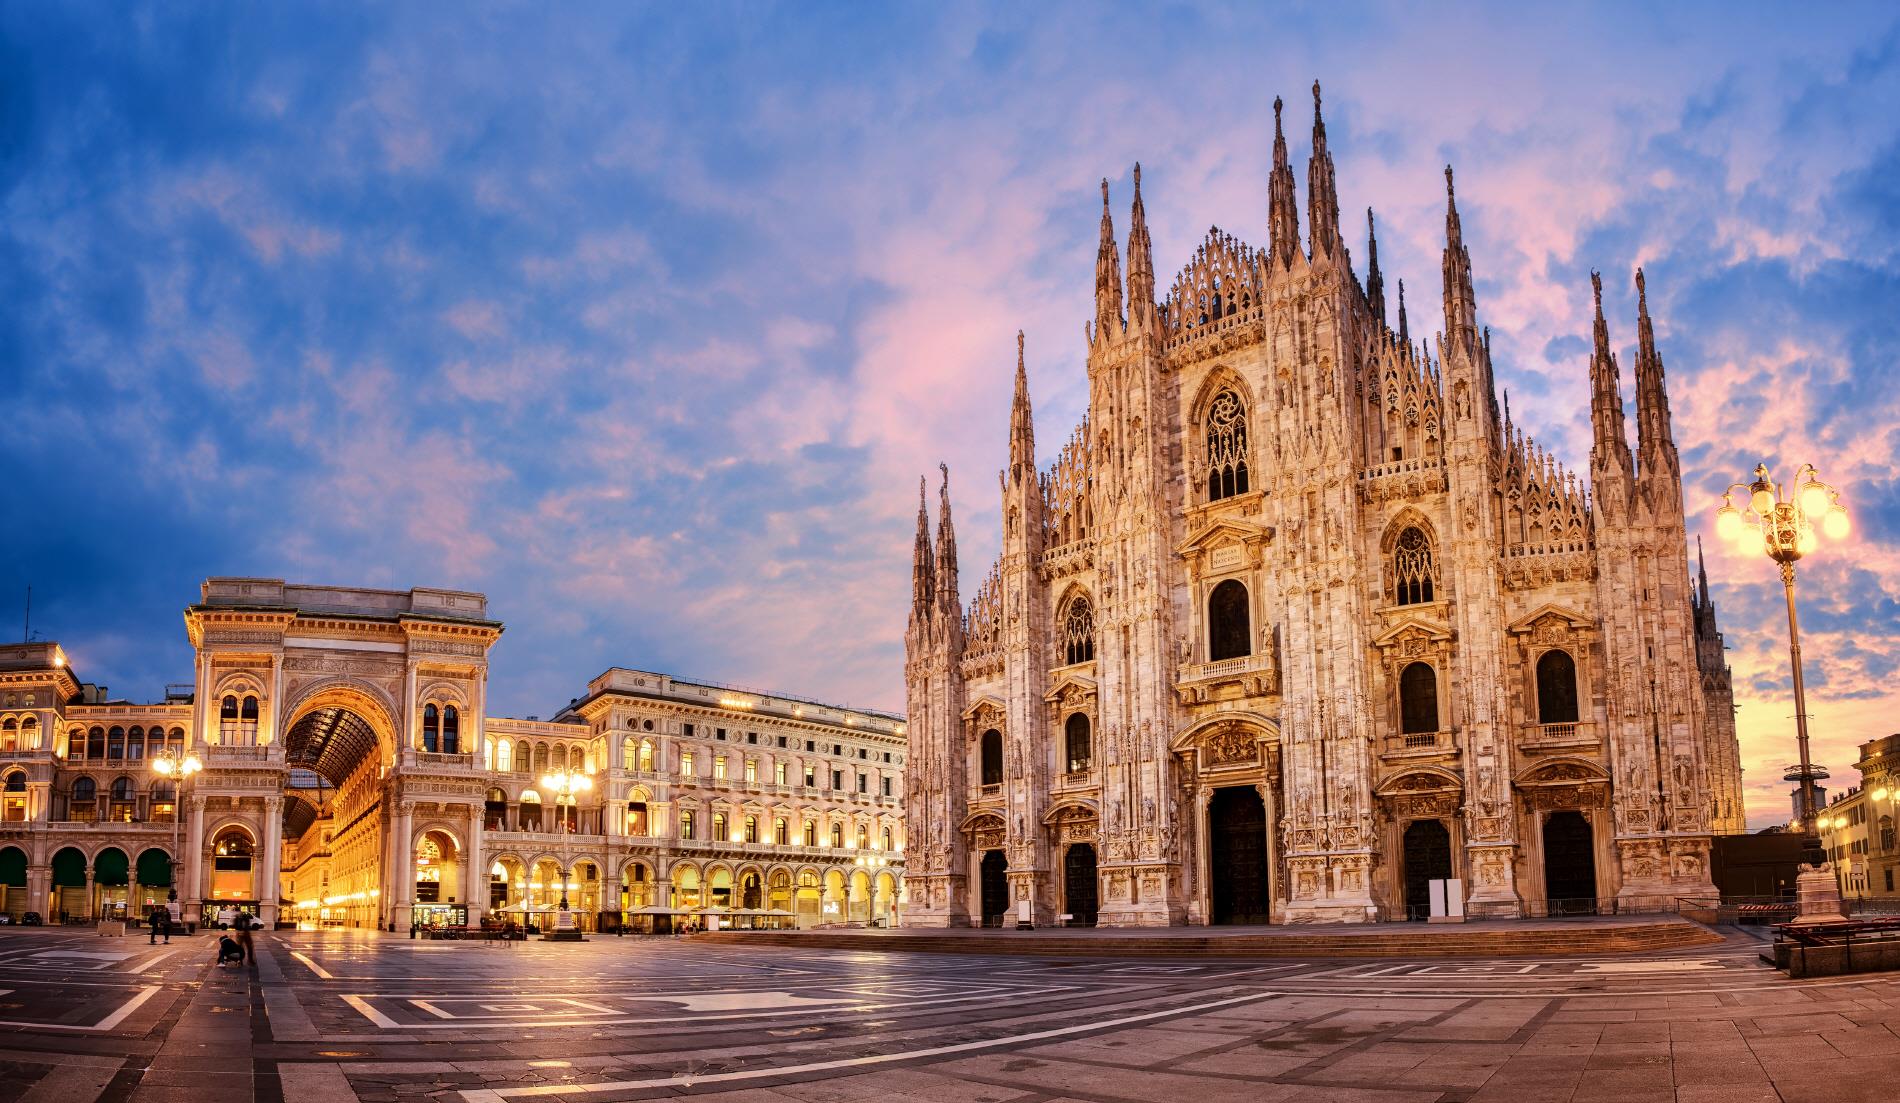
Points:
1393	940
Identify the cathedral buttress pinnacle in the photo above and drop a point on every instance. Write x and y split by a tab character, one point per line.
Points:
1405	332
947	599
1322	195
1375	283
1141	263
1108	277
1610	459
1022	427
1283	216
1461	305
1656	446
923	590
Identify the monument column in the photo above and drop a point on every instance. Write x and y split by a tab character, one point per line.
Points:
194	856
267	888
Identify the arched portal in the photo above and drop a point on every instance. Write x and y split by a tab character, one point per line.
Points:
1427	858
1079	884
437	874
1570	868
995	887
1237	858
751	892
233	868
111	881
69	883
13	882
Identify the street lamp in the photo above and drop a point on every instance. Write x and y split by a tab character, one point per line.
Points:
1783	528
180	766
566	785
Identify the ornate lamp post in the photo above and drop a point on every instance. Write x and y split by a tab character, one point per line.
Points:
1783	528
566	785
181	767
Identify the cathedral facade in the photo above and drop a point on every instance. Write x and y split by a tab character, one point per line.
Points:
1299	624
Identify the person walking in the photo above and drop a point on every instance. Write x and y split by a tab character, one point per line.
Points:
245	945
159	923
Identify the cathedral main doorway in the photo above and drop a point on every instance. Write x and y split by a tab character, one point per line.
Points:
1237	856
1570	867
1078	884
995	887
1427	859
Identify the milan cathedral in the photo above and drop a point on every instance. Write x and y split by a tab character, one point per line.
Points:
1300	627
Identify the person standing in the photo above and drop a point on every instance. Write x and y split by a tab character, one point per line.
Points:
159	923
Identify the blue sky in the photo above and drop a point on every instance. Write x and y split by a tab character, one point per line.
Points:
644	320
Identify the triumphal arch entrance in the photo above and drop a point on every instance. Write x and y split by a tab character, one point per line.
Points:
337	729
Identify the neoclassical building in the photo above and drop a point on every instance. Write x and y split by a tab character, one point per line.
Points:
1299	621
352	777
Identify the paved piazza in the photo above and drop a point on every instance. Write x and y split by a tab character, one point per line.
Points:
377	1017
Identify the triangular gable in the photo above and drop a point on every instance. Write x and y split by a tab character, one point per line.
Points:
1437	633
1086	685
977	706
1528	622
1222	531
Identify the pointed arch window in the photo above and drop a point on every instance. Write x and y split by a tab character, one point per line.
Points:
1556	688
1413	569
1226	447
992	757
1078	631
1229	623
1418	699
1076	737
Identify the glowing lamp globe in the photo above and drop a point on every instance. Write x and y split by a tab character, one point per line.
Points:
1835	524
1814	500
1728	524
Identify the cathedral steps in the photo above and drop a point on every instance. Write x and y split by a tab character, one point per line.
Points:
1513	939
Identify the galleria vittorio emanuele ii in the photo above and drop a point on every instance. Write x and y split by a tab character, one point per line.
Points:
1300	623
331	766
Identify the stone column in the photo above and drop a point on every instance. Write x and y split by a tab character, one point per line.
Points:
192	899
267	888
1203	861
91	906
1274	888
475	867
403	870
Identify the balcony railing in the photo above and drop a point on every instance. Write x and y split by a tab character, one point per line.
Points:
1557	735
234	753
1418	742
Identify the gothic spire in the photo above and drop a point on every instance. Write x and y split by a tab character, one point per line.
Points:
1405	334
1283	216
1610	445
1108	276
1701	577
1461	308
1322	195
946	580
1141	263
1655	441
1022	429
922	584
1375	283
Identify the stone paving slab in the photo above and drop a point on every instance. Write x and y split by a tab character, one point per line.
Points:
675	1018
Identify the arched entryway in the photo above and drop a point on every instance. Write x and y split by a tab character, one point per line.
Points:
13	882
111	882
1570	867
1237	856
1079	884
69	884
995	887
1427	858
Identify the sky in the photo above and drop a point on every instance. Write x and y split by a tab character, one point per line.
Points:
645	319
